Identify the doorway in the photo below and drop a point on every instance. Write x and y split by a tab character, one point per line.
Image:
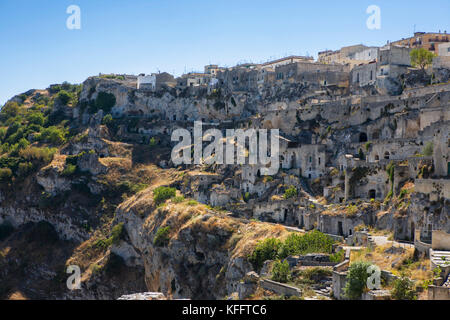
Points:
340	229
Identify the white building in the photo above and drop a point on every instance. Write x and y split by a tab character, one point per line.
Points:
146	81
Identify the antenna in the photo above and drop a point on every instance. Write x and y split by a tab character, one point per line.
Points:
414	29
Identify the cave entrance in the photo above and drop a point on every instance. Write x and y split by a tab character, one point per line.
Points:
363	137
372	194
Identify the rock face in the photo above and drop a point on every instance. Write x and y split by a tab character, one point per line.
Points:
204	257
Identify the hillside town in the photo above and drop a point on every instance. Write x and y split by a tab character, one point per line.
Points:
364	161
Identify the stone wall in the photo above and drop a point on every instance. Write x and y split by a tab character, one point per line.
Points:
280	288
438	293
441	188
440	240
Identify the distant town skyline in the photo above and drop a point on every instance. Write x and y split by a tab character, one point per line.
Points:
146	36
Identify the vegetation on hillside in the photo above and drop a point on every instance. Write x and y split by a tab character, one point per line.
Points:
295	244
32	129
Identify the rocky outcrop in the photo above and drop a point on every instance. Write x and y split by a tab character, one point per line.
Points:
205	256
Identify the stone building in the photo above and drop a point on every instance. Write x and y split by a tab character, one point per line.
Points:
427	40
313	73
393	61
441	151
193	79
443	59
155	81
344	55
364	74
287	60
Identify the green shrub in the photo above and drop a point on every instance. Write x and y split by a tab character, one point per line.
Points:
105	101
162	237
316	272
43	155
64	97
54	135
361	154
337	257
192	203
281	271
311	242
9	110
25	168
36	118
117	233
69	170
5	174
357	279
403	193
291	192
404	289
179	199
161	194
152	142
265	250
107	120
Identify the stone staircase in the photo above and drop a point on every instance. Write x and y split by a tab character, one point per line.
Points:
440	258
371	241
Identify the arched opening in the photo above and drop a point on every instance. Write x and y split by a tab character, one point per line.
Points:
363	137
387	155
372	194
258	173
413	231
377	157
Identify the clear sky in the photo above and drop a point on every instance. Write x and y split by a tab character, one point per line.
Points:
144	36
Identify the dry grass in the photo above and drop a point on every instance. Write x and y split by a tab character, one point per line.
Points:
17	296
419	270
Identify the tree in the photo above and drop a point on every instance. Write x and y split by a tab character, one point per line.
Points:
64	97
281	271
265	250
357	279
421	58
404	289
291	192
5	174
105	101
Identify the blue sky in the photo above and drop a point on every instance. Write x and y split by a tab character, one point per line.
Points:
144	36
